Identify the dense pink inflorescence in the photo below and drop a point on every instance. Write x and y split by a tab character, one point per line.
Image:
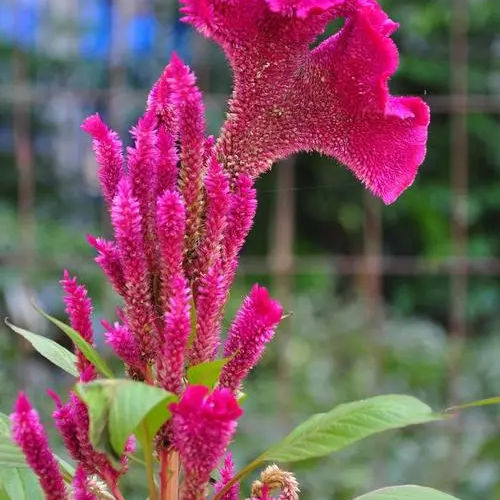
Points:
122	341
79	309
28	433
252	329
109	155
127	223
203	425
81	485
226	475
333	98
175	336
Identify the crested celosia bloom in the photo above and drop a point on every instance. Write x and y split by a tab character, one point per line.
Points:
181	207
28	433
333	98
203	425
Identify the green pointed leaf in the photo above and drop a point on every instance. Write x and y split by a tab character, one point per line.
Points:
10	454
207	373
55	353
407	492
325	433
85	348
119	408
20	484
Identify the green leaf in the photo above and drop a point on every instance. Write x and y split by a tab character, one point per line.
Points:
20	484
325	433
11	455
119	408
85	348
49	349
407	492
474	404
207	373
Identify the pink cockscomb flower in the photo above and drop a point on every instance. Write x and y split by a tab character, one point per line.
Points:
203	425
333	98
28	433
252	329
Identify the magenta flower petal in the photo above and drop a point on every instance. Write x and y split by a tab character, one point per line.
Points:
123	343
333	98
28	433
81	485
227	473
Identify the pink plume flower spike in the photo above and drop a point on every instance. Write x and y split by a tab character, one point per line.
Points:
109	261
251	330
243	205
142	162
123	343
333	98
126	219
93	461
226	474
79	309
160	103
28	433
210	298
81	485
171	230
217	206
64	421
177	328
203	425
190	111
168	170
108	150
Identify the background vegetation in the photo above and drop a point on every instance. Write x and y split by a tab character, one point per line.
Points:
377	293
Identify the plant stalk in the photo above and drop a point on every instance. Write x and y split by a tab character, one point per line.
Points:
169	475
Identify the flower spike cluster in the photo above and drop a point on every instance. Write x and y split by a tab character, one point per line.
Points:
181	205
333	98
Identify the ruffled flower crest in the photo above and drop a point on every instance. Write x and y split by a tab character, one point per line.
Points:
333	98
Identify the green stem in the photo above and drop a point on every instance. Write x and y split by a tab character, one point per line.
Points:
150	470
238	477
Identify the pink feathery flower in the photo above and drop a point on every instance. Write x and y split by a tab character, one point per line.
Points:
92	460
79	309
217	206
210	298
190	111
126	219
109	261
167	169
203	425
123	343
171	230
160	102
65	423
142	161
108	150
81	490
251	330
242	210
28	433
226	474
175	336
333	98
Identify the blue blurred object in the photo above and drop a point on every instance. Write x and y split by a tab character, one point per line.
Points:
20	22
96	22
142	33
